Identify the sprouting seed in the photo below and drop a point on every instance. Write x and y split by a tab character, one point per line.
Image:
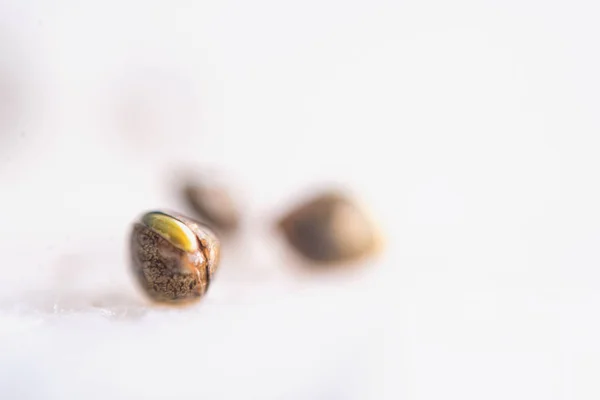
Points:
173	257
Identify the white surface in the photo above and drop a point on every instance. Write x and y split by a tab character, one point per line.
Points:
470	127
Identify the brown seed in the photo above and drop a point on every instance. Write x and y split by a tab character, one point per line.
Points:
330	228
212	204
173	257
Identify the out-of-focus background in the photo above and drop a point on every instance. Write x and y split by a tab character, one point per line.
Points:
470	128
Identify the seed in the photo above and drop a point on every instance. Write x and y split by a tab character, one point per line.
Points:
173	257
330	229
213	205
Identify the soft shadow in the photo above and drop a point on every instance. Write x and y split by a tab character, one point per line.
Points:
79	284
113	305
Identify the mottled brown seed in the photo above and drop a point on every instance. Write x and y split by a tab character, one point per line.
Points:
330	229
173	260
213	205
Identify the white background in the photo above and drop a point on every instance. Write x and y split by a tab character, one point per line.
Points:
471	128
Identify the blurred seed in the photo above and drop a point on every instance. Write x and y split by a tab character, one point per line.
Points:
330	228
213	204
173	257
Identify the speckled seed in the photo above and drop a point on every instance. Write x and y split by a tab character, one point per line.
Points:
330	229
213	204
173	257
